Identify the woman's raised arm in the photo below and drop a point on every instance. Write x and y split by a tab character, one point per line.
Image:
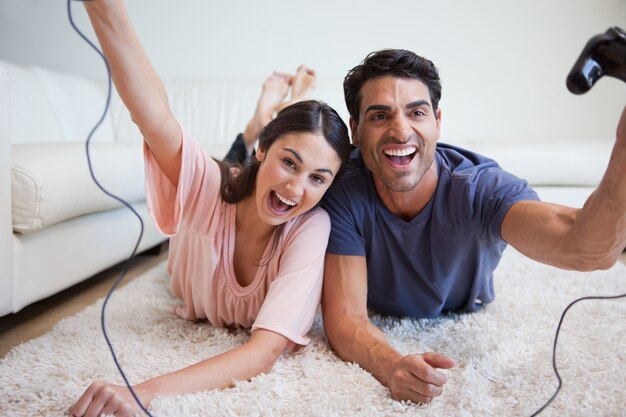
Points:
137	83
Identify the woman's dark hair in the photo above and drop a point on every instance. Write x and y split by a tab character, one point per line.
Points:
398	63
309	116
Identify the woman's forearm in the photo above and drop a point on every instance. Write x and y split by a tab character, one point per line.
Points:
239	364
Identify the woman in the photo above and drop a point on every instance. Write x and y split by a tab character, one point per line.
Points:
248	244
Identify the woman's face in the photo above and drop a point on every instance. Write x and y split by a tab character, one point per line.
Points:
295	173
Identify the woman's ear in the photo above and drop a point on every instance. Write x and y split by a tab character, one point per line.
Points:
260	154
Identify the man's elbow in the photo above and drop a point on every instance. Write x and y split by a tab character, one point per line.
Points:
589	263
586	255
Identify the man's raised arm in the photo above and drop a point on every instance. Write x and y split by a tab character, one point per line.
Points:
579	239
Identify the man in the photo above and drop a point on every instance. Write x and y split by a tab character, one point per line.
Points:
419	227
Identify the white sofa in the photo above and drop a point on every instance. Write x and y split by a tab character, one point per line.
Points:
57	228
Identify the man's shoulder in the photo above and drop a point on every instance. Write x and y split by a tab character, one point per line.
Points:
352	190
469	176
355	166
461	162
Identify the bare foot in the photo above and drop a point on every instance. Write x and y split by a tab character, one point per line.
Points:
273	93
302	84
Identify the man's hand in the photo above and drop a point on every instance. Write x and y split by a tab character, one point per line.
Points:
417	378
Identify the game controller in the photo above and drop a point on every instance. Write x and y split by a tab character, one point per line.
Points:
604	54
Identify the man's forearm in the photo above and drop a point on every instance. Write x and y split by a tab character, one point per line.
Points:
358	340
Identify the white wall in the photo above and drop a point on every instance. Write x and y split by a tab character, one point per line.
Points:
503	63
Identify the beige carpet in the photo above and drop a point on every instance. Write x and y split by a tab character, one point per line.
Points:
503	354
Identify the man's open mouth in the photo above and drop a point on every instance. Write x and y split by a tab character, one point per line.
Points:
400	156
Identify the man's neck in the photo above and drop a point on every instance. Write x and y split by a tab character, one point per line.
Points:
408	204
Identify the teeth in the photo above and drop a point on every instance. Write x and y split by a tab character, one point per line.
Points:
284	200
400	152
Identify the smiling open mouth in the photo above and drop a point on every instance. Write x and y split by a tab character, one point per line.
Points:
400	156
281	203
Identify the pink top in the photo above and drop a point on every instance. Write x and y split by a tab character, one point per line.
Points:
285	293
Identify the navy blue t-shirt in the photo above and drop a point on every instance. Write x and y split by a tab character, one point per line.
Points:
444	258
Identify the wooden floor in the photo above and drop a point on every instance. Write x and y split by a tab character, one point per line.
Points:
36	319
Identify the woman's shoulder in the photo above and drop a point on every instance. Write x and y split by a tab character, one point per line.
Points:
306	235
315	215
314	221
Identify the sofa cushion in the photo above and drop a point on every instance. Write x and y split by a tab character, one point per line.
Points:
65	107
50	182
78	103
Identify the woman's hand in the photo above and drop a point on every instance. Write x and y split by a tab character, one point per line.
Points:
102	398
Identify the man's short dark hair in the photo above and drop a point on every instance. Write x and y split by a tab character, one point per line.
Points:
398	63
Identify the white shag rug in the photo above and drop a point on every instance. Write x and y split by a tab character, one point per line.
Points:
503	355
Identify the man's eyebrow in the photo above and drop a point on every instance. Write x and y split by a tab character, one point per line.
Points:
383	107
417	103
377	107
299	158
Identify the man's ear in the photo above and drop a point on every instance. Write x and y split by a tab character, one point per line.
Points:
354	127
438	117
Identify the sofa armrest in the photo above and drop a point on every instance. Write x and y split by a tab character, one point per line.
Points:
6	228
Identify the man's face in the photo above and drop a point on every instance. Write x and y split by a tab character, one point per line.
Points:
397	131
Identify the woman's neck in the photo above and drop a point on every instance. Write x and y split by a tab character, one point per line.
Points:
248	219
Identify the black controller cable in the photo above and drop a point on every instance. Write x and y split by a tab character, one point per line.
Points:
556	338
121	200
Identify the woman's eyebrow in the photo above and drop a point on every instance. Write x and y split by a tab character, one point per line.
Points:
299	158
295	154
